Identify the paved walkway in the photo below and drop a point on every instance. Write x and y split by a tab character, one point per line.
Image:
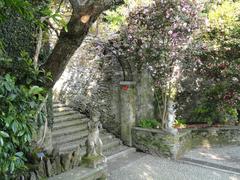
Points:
139	166
225	158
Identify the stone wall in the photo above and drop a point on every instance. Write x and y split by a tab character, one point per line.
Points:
92	79
209	137
161	143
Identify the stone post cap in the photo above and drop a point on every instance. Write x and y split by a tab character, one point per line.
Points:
128	83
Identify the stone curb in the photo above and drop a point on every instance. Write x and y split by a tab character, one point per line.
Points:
121	153
210	165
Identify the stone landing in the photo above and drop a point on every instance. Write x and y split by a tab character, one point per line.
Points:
83	173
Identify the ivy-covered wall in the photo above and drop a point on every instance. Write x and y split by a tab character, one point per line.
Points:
18	35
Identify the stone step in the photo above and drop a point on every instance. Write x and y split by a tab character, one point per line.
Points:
112	144
74	138
80	137
83	173
55	102
62	109
106	147
69	130
117	149
73	144
67	149
69	117
106	137
64	113
66	124
107	141
58	104
119	152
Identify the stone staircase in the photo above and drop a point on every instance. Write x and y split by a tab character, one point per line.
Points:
70	131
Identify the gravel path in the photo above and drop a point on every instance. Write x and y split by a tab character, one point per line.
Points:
139	166
228	156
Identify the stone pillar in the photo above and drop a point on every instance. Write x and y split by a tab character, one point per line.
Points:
145	95
127	110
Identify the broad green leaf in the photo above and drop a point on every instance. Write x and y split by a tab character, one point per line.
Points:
35	90
1	141
19	154
16	141
4	134
12	167
14	127
20	133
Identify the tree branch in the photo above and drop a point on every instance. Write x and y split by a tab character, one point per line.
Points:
85	13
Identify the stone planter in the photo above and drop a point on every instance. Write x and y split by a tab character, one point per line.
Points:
161	143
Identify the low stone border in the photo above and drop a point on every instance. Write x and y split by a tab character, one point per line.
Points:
215	136
210	165
162	143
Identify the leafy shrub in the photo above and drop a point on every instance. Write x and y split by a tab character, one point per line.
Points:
220	63
20	97
213	107
149	123
157	37
211	86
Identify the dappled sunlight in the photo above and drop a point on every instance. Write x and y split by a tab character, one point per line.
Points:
104	86
212	156
147	173
206	144
147	176
60	109
233	178
216	174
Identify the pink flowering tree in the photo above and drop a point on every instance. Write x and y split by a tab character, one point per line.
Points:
215	67
158	37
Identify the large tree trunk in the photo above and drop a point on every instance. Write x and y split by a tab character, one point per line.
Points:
85	13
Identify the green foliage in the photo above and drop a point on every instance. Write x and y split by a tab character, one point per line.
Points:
214	108
181	123
149	123
115	19
20	97
22	7
18	111
20	22
221	63
23	70
157	37
212	75
30	10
